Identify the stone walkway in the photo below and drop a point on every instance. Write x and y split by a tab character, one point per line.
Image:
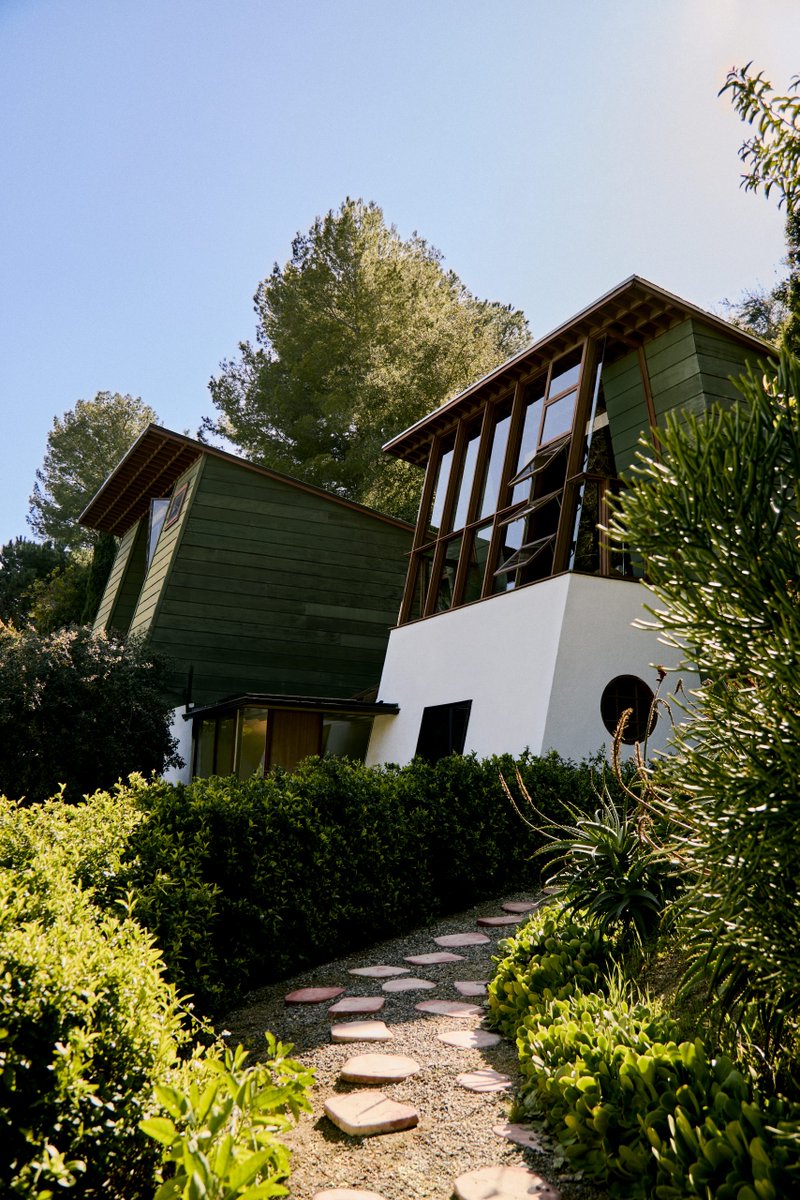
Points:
378	1106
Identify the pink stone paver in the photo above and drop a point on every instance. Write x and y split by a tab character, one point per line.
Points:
346	1194
469	987
521	1134
469	1039
484	1080
449	1008
412	984
503	1183
381	971
430	960
364	1114
358	1004
313	995
496	922
378	1068
461	939
361	1031
521	906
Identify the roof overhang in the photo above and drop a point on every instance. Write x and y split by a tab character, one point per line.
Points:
634	312
326	704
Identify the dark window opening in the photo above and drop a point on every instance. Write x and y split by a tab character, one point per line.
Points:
628	692
443	730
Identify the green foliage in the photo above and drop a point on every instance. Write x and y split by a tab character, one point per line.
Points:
60	599
86	1023
553	955
716	520
82	447
78	708
22	563
359	335
220	1131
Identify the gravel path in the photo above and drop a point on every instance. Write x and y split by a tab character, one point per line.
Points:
454	1133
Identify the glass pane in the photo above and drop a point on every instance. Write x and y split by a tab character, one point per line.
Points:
534	399
467	476
225	742
558	417
204	750
158	511
421	581
440	490
512	538
447	580
345	737
252	742
586	552
479	552
566	372
494	468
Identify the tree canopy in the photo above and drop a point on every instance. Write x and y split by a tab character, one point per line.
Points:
82	447
359	335
24	563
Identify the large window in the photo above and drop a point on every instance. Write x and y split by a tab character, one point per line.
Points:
254	739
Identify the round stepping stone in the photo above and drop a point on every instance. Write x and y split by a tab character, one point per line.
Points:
364	1114
382	971
358	1004
465	987
378	1068
346	1194
520	906
411	984
496	922
503	1183
361	1031
521	1134
461	939
469	1039
484	1080
313	995
449	1008
429	960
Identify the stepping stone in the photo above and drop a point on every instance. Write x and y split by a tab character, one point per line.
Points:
503	1183
411	984
469	1039
346	1194
461	939
361	1031
382	971
378	1068
495	922
464	987
430	960
313	995
449	1008
521	906
358	1004
521	1134
364	1114
484	1080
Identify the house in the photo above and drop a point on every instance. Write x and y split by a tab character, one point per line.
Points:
515	627
272	600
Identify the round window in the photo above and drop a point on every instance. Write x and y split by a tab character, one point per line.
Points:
628	692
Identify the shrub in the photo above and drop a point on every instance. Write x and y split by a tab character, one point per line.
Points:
78	709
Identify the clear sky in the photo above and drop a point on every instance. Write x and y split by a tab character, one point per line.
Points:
158	156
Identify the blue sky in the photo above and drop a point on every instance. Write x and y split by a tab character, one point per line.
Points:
158	156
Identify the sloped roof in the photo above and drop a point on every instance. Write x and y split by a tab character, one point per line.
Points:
156	460
634	312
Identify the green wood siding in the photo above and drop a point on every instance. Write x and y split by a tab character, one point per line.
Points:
125	581
273	589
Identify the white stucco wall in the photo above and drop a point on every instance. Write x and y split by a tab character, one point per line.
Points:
534	663
182	730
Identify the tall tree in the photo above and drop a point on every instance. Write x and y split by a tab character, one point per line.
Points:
82	447
22	564
359	335
772	161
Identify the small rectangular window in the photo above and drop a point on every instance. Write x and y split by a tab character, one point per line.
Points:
443	730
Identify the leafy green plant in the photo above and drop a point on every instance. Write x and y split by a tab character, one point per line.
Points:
220	1131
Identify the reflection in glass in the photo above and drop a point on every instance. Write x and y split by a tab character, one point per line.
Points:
252	742
204	751
480	541
225	741
534	399
345	737
566	372
494	468
440	490
558	417
447	580
512	536
465	483
158	511
422	578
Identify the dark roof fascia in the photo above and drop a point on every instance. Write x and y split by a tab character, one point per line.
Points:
293	703
93	513
403	444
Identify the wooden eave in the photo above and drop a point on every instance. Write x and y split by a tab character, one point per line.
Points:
353	707
630	315
151	467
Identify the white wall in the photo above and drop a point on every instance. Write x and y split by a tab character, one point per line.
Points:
182	730
534	663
